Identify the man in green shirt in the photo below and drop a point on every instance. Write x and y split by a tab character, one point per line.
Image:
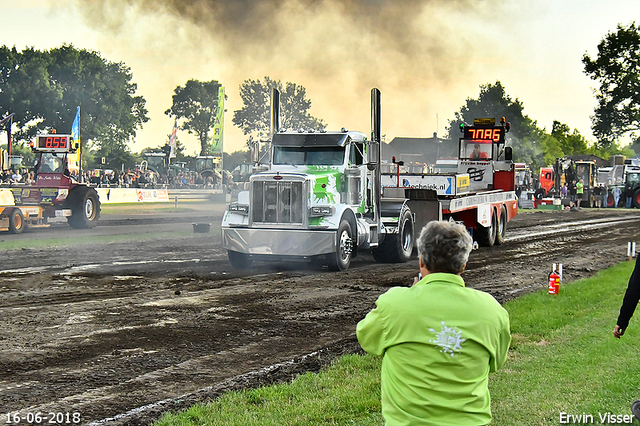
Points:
439	340
579	191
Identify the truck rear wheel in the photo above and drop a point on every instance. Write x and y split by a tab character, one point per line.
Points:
341	259
17	224
85	208
502	226
487	236
636	199
239	260
397	248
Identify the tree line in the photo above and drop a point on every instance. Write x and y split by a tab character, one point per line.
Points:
42	89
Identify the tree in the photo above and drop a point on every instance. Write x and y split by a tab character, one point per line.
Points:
570	142
196	104
25	87
617	69
45	88
528	141
254	118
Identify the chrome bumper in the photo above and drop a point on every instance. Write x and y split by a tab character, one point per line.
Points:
279	242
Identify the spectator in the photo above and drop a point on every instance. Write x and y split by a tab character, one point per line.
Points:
628	193
439	340
563	190
579	192
572	192
597	194
616	191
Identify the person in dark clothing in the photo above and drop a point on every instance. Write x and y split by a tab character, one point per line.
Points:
572	191
629	302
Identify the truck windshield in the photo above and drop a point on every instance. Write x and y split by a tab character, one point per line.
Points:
51	162
309	156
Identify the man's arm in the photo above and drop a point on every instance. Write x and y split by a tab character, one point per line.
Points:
370	332
504	340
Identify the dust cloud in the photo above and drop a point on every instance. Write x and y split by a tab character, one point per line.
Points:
425	55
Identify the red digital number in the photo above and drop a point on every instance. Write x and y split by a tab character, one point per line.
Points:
54	142
485	134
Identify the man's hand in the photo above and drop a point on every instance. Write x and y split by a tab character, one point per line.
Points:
617	332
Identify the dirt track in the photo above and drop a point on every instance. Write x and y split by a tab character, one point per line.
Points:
119	332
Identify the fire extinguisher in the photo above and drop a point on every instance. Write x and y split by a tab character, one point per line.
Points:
554	283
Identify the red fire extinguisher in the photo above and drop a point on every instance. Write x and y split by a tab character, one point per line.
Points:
554	283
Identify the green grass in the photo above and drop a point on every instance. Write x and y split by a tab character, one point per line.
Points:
563	358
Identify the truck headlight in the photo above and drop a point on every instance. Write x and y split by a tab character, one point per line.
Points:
239	208
321	211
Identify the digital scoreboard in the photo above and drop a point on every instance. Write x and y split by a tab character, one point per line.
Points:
495	134
53	143
485	130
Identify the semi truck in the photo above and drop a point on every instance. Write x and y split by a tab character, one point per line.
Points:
54	193
322	198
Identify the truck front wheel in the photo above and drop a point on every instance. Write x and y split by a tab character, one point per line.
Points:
341	259
17	223
636	199
239	260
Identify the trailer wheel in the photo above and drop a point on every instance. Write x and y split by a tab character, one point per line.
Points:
239	260
85	208
487	236
17	224
397	248
636	199
341	259
502	226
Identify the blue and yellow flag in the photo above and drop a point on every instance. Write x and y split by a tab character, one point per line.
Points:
75	129
217	143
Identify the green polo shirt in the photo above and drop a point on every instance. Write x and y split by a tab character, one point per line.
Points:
579	188
439	341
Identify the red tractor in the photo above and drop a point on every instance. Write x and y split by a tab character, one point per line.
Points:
54	193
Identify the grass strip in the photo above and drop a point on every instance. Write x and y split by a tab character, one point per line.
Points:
563	362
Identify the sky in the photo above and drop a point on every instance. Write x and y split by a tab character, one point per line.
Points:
426	56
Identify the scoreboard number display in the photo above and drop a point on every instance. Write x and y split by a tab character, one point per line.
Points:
494	134
54	143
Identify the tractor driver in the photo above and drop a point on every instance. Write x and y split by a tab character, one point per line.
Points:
51	164
478	154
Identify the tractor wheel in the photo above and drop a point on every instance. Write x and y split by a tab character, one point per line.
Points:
239	260
636	199
17	224
341	259
502	226
85	208
487	236
397	248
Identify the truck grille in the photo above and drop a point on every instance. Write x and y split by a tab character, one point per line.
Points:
277	202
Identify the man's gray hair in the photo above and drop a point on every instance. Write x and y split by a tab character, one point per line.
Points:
444	246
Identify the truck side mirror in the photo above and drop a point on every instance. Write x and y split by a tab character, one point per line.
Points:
508	153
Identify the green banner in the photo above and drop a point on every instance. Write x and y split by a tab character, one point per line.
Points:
217	143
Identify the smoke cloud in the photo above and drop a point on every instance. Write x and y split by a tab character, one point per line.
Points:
415	51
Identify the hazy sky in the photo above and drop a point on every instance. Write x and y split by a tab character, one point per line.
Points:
426	56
